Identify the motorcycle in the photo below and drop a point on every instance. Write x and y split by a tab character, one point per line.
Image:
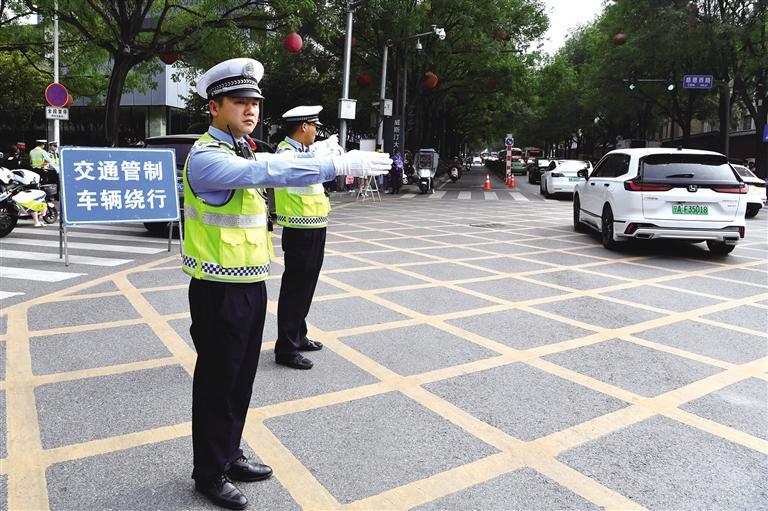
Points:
454	174
21	193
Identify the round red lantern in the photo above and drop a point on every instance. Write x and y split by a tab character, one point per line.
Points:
70	100
169	57
619	39
363	79
430	80
293	42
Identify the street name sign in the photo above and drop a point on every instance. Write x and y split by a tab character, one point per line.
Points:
52	112
108	184
698	81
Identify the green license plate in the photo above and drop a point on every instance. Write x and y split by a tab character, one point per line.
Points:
690	209
574	178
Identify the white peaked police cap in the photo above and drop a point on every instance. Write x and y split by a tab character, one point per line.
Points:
234	77
304	114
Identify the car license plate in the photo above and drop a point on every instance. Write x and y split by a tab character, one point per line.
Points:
690	209
574	178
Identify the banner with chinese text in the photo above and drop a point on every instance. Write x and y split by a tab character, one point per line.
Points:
109	184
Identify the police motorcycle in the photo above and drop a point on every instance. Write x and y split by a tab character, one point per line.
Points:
426	168
20	194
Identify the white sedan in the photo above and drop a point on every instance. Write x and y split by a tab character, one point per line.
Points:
682	194
756	196
561	176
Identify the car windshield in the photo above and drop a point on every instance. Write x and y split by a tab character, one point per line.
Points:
180	148
706	168
744	171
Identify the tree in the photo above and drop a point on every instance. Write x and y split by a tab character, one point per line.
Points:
134	33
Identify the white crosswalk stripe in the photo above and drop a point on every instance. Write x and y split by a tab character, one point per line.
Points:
518	196
73	259
465	196
84	246
409	196
7	272
490	196
27	261
437	195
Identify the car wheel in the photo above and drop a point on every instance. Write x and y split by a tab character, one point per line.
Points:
542	190
577	225
606	229
719	247
752	211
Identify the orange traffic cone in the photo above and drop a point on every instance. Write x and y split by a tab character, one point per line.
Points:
511	183
487	185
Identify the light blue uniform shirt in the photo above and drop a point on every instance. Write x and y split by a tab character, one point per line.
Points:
297	146
213	172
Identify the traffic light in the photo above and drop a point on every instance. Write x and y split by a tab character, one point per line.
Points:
671	82
632	79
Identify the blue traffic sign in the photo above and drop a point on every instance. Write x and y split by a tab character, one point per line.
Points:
107	184
765	133
509	141
56	95
698	81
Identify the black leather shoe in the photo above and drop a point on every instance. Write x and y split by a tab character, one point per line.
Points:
312	346
242	470
222	492
296	361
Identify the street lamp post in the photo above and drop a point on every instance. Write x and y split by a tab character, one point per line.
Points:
439	32
351	6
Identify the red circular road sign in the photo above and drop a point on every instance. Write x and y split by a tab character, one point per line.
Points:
56	95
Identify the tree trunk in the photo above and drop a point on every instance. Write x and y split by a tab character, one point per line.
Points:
120	71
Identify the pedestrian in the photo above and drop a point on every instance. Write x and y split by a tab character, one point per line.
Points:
53	152
396	172
12	160
227	251
303	214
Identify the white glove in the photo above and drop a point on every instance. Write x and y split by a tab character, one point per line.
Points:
328	147
362	163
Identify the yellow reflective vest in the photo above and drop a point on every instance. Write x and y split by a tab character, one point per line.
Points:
38	158
301	207
230	242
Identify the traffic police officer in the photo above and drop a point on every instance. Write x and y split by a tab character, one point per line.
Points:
227	251
303	214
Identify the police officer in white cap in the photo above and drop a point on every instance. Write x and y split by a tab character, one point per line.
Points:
303	214
227	251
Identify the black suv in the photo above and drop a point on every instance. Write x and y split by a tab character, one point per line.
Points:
181	144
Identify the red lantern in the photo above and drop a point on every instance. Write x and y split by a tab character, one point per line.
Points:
169	57
70	100
293	42
430	80
363	79
619	39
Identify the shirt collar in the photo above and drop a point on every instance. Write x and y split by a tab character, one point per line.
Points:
296	145
223	135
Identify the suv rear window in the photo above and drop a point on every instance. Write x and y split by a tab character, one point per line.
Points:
687	168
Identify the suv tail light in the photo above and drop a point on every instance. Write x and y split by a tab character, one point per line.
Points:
731	189
639	186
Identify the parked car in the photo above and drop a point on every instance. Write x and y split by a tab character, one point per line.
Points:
536	169
561	176
663	193
756	198
181	144
477	161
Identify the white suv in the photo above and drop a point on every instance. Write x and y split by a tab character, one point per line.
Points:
663	193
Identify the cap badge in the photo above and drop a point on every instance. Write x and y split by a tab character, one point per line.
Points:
249	70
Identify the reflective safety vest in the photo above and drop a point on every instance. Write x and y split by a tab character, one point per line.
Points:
37	158
229	242
302	207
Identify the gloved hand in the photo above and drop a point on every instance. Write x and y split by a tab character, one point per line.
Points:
362	163
328	147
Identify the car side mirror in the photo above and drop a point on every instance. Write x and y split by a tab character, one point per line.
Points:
583	173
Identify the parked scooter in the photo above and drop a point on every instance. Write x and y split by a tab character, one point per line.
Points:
454	174
426	166
21	194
